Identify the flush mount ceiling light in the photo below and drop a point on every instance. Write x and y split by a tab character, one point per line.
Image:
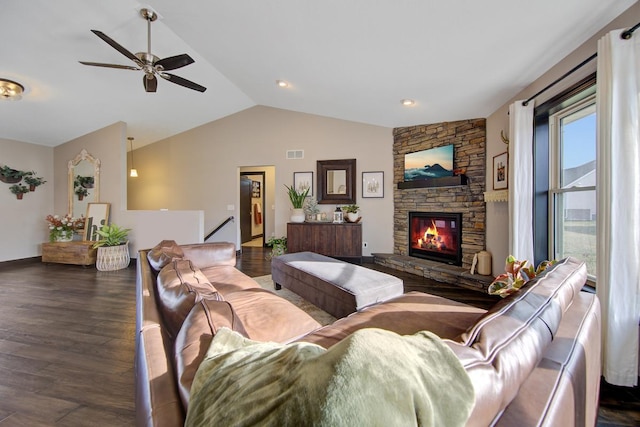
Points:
282	83
10	90
408	102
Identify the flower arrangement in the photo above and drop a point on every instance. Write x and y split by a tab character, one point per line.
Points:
516	274
62	228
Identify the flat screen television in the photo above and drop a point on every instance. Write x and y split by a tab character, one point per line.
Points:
432	163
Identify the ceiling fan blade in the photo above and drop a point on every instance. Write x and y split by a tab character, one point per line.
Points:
183	82
100	64
174	62
150	82
116	45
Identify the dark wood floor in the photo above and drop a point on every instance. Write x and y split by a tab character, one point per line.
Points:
67	344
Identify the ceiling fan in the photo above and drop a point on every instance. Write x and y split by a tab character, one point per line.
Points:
147	62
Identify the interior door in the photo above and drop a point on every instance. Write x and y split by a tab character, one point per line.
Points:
245	209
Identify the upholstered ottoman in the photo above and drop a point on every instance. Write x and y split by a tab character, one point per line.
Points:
337	287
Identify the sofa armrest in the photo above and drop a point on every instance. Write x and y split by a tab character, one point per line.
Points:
210	254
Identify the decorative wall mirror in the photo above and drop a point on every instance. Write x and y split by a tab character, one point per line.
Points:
83	183
337	181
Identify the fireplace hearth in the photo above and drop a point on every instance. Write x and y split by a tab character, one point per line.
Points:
436	236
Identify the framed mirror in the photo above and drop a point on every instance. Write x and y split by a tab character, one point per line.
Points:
337	181
83	183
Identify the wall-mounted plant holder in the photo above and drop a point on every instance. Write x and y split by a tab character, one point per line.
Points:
12	176
9	175
19	190
33	181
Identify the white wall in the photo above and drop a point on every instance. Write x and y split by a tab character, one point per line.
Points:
22	222
199	169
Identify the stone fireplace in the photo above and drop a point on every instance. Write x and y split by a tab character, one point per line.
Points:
463	197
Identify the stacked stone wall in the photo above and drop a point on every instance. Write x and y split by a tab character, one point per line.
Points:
469	140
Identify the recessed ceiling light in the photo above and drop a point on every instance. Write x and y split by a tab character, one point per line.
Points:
408	102
282	83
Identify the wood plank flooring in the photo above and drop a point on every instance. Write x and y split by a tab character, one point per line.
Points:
67	343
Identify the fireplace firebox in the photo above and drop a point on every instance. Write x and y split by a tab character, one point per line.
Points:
436	236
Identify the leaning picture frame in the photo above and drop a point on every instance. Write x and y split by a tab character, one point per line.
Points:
373	184
97	216
302	181
501	171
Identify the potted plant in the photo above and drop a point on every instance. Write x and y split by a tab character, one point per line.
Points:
352	212
10	176
278	246
113	248
297	200
19	190
311	209
61	228
81	192
84	181
33	181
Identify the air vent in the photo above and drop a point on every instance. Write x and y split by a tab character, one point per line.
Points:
295	154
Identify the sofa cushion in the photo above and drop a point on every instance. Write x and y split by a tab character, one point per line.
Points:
163	253
180	285
192	341
502	349
210	254
269	317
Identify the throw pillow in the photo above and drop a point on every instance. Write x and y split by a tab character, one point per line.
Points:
163	253
517	274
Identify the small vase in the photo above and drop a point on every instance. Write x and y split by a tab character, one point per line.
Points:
352	216
297	215
20	196
64	236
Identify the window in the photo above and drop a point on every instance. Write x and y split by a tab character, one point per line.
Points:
572	183
564	176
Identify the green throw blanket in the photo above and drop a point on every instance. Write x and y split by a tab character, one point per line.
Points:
373	377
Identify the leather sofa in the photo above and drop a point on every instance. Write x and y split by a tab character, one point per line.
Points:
533	358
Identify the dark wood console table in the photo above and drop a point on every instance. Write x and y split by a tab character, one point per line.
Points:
326	238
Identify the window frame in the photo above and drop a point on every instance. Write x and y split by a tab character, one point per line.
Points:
541	160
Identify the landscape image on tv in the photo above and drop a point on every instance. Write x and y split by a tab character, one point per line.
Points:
431	163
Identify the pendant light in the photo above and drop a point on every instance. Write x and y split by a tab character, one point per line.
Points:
134	171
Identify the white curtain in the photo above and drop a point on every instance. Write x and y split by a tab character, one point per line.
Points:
521	181
618	199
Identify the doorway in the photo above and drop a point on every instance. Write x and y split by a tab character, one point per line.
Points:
252	203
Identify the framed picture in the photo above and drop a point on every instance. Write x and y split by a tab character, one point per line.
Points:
372	184
255	189
501	171
302	181
97	216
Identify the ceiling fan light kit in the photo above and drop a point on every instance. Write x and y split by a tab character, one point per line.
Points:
147	62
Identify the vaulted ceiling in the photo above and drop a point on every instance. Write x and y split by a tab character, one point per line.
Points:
354	60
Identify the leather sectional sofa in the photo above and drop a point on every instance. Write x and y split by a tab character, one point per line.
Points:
533	358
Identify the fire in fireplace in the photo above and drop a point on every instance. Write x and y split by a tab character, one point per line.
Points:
436	236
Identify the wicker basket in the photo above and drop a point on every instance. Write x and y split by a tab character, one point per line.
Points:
110	258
